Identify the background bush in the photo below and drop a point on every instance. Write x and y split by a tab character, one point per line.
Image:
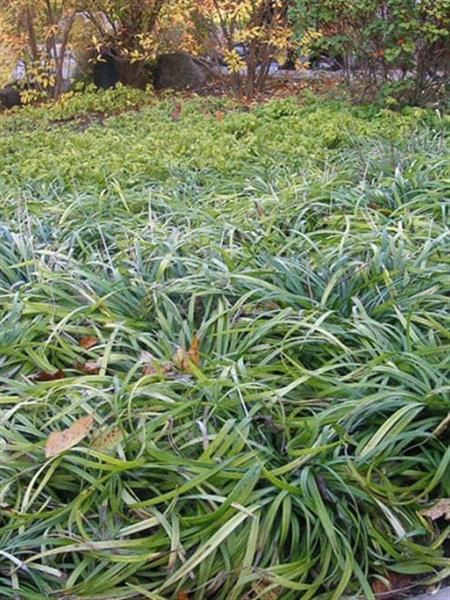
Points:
397	50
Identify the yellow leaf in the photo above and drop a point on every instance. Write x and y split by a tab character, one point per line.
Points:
108	439
184	359
60	441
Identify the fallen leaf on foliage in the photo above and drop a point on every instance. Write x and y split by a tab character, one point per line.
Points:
149	369
219	115
176	113
182	596
393	588
108	439
43	376
260	307
442	426
259	589
165	369
88	342
152	366
440	509
259	210
60	441
184	359
90	367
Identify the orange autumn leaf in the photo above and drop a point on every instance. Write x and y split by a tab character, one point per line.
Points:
88	342
60	441
185	359
182	596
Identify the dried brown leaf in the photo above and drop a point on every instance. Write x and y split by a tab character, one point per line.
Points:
443	425
259	210
395	586
60	441
176	113
154	367
440	509
43	376
260	590
88	342
185	359
90	367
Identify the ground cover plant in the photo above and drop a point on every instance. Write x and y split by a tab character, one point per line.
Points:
223	350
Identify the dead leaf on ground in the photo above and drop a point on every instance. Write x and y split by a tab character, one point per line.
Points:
108	440
260	210
182	596
219	115
443	425
185	359
43	376
176	113
260	589
164	369
60	441
259	307
440	509
88	342
153	366
90	367
395	587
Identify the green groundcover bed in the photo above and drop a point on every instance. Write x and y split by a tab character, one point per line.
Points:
223	350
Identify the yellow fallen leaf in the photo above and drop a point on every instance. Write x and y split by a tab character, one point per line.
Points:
440	509
184	359
60	441
108	439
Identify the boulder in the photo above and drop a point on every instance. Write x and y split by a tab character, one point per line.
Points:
179	70
9	97
106	71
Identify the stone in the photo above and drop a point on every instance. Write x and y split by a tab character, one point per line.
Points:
442	594
9	97
179	70
106	71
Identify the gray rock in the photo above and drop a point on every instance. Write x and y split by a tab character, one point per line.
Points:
180	71
9	97
443	594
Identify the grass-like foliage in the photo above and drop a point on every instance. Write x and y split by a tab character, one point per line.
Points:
306	248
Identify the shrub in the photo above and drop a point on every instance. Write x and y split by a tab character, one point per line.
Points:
397	50
258	27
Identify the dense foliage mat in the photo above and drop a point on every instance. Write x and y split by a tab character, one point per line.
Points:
252	306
